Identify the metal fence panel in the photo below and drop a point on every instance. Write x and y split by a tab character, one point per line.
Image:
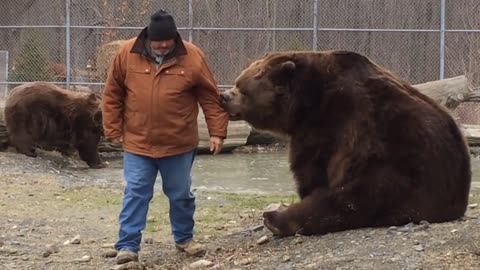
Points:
71	42
378	14
462	14
36	13
122	13
412	55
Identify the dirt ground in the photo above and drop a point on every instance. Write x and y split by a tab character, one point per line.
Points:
48	201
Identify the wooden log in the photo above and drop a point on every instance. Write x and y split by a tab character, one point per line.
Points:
448	92
473	96
237	134
472	133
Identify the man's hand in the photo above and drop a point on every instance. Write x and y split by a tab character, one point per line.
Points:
216	144
117	140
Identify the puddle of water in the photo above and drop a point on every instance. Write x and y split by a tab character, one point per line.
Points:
257	173
240	173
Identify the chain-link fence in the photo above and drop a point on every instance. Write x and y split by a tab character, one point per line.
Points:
71	42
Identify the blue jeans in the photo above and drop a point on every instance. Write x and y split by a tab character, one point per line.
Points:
140	173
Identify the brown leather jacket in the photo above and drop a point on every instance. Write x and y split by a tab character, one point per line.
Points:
155	110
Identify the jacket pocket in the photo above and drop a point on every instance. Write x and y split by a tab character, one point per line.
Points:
138	78
176	79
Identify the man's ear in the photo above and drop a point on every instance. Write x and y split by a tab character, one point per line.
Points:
282	73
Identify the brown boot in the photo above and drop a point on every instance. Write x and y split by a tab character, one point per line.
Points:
192	248
125	256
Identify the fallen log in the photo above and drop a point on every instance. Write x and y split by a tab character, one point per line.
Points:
472	134
448	92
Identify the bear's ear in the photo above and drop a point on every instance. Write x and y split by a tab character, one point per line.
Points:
282	73
92	97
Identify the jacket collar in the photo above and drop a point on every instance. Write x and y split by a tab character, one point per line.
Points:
140	42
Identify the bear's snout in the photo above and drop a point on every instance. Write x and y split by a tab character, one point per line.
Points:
230	105
226	97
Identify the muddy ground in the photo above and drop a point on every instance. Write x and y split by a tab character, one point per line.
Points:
48	201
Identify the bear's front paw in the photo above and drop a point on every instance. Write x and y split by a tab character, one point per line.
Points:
98	165
276	222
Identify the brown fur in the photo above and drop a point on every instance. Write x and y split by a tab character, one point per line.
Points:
43	114
366	148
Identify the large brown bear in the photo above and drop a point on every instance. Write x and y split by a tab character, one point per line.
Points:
43	114
366	148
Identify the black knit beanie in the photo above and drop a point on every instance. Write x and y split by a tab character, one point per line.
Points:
162	26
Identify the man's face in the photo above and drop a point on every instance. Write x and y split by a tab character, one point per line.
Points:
162	47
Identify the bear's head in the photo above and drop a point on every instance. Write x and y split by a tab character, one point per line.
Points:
94	101
88	118
261	93
282	90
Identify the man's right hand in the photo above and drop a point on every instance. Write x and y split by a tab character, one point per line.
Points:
118	140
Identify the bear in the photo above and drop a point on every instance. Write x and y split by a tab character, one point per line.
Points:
366	148
41	114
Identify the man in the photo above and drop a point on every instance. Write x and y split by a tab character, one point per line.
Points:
150	104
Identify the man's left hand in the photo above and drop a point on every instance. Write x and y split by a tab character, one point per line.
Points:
216	144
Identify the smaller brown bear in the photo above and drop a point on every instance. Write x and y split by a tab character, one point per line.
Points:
45	115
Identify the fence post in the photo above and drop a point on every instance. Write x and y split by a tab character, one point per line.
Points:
442	39
67	42
315	24
190	20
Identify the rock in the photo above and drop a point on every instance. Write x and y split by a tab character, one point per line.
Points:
219	227
473	205
66	243
76	240
392	229
8	251
148	240
50	249
406	228
151	219
264	239
297	241
418	247
108	245
257	228
110	253
245	261
200	263
422	226
85	258
275	207
286	258
129	266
